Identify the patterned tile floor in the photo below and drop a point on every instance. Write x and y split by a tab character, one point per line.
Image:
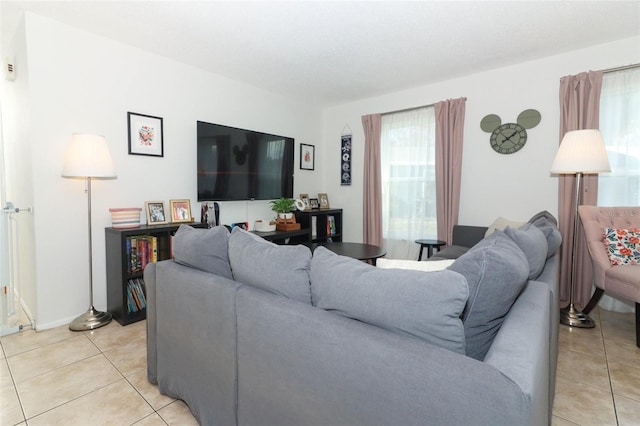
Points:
74	378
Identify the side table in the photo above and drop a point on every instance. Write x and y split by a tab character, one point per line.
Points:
430	245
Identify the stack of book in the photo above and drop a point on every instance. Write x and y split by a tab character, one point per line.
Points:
141	250
136	300
331	225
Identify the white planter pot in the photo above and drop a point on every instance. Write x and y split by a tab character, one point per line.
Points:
285	215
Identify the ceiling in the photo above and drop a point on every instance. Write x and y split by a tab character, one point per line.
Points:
332	52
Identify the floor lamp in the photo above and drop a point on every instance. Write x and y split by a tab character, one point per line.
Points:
88	157
581	152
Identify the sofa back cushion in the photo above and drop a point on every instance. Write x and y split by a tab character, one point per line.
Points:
496	271
533	244
426	305
548	224
204	249
280	269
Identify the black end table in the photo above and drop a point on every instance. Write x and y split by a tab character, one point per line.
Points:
356	250
430	245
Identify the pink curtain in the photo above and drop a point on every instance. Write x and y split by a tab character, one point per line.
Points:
579	109
449	132
372	205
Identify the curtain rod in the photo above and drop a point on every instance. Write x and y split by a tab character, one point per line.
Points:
625	67
410	109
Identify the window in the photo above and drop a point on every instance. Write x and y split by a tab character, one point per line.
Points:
407	150
620	127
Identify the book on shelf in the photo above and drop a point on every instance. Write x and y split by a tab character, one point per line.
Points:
314	226
331	225
136	299
141	250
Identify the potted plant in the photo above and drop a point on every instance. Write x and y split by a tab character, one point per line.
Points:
283	206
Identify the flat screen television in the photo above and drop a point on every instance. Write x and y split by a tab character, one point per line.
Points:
238	164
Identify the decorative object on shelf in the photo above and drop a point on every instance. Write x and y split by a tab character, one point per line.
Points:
305	200
283	206
300	205
145	135
581	152
345	160
307	157
323	200
265	225
287	223
314	203
180	211
210	213
125	217
155	212
88	157
509	137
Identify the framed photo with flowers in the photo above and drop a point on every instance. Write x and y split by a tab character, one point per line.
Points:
307	156
145	135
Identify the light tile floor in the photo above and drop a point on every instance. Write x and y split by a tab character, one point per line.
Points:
63	377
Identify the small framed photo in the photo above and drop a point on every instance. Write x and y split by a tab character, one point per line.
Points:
305	200
307	156
180	211
323	200
145	135
155	212
314	203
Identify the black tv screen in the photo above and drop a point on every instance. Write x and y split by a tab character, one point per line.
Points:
239	164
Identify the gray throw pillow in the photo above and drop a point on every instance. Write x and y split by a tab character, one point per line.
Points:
533	244
549	227
496	271
426	305
205	249
279	269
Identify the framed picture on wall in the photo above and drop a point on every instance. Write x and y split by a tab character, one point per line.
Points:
307	157
155	212
145	135
180	211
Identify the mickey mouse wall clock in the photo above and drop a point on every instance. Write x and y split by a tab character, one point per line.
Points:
508	138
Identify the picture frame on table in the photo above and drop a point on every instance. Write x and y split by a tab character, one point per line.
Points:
305	200
314	203
156	214
180	211
307	157
145	135
323	201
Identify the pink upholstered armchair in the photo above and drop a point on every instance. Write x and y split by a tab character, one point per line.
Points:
620	280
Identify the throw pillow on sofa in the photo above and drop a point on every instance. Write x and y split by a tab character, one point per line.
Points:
280	269
533	244
549	227
496	271
205	249
426	305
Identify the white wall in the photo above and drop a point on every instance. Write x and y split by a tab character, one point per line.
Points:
80	82
513	186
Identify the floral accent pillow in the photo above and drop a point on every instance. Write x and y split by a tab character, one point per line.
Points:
623	246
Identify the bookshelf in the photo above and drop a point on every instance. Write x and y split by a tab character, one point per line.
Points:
318	219
128	250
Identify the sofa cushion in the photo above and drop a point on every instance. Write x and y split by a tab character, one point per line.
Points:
496	271
426	305
280	269
501	223
533	244
415	265
205	249
449	252
549	227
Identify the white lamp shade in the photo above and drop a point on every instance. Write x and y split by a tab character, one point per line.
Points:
88	156
581	151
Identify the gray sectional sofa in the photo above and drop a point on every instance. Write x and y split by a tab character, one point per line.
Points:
248	332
